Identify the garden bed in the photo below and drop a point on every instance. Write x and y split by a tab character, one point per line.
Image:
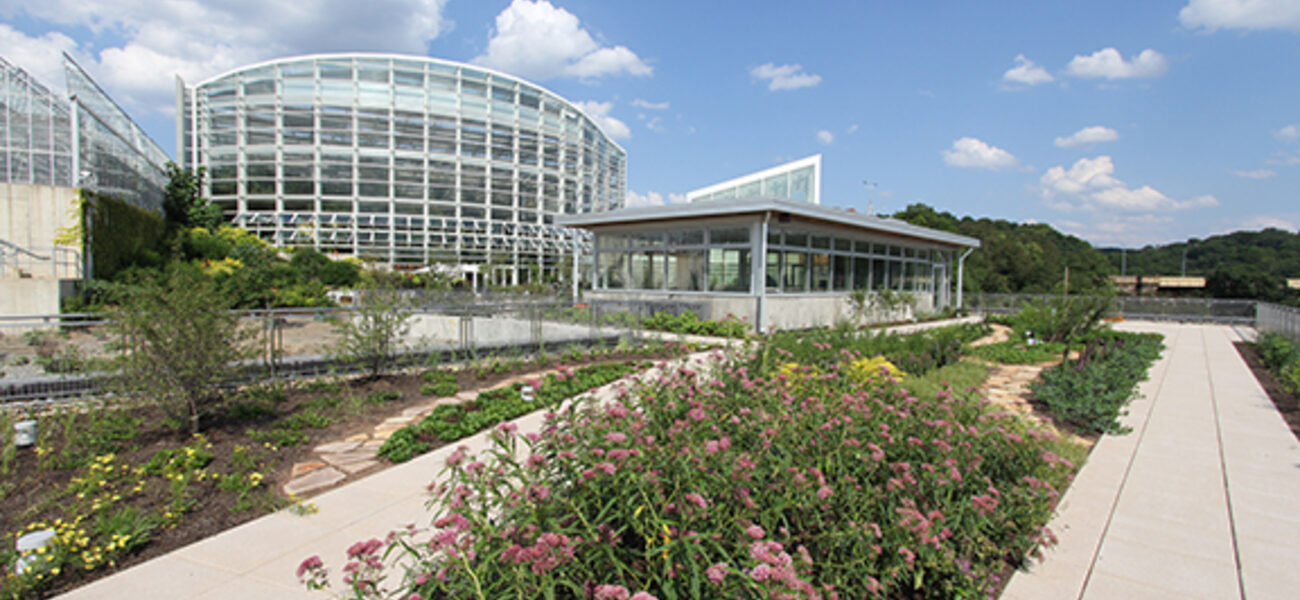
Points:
142	489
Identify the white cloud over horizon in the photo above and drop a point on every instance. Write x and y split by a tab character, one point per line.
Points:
784	77
537	40
648	105
825	137
652	198
1290	133
1255	174
973	153
1090	184
1026	72
1087	136
1108	63
599	113
155	40
1212	15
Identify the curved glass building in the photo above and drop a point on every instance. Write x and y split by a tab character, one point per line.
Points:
402	159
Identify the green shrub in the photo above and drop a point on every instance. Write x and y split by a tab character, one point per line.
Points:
1091	392
249	411
307	419
1017	352
1061	319
1276	351
440	390
279	436
383	396
691	324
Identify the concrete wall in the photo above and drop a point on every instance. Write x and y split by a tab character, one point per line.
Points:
31	216
784	311
32	296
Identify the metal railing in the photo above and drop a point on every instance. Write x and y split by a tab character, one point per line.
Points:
1284	320
438	334
1214	310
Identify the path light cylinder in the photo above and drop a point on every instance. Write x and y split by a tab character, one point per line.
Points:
25	433
27	546
526	393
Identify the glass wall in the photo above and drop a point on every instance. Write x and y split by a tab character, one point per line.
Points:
428	159
815	262
687	260
35	131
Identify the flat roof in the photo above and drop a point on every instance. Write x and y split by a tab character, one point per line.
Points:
745	206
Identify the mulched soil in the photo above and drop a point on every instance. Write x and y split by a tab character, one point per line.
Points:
1288	404
30	493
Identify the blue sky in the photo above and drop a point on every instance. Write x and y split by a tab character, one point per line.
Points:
1125	123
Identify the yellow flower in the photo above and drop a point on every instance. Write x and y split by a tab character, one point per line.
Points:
873	370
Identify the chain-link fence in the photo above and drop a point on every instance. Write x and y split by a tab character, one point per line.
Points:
1214	310
67	355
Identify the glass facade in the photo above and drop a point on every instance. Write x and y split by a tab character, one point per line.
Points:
408	160
35	131
799	261
799	180
87	141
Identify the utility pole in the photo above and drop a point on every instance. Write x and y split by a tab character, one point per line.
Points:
1123	261
1067	280
871	205
1184	261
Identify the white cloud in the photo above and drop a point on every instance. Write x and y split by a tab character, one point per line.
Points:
538	40
652	199
1265	222
852	129
825	137
1087	137
40	56
656	125
1255	174
599	113
1284	159
1026	73
1290	133
1130	230
784	77
648	105
1241	14
197	39
1090	185
1108	63
972	153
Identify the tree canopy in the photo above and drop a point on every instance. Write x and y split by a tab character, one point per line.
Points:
1018	257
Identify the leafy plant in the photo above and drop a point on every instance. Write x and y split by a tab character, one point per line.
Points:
183	344
689	323
1091	392
372	334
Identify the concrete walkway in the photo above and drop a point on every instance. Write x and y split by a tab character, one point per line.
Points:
1200	500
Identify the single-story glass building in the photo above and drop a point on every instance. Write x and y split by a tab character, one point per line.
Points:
777	263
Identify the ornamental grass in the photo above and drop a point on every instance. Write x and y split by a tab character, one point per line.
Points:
740	481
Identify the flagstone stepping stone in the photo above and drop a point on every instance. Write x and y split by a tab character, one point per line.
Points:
336	447
303	468
315	480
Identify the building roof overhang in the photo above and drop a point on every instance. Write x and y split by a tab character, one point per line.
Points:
760	206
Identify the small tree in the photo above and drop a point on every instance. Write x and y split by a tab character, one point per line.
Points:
372	334
182	343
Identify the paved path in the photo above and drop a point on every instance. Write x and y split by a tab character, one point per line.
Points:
1201	500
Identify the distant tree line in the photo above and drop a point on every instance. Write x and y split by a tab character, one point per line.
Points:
1242	264
1020	258
1031	258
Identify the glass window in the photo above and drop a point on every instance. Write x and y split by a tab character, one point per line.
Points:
794	272
686	270
773	237
801	184
776	186
613	270
611	240
879	275
797	240
732	235
861	273
687	237
840	272
773	276
729	270
647	271
821	242
821	272
843	245
895	275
